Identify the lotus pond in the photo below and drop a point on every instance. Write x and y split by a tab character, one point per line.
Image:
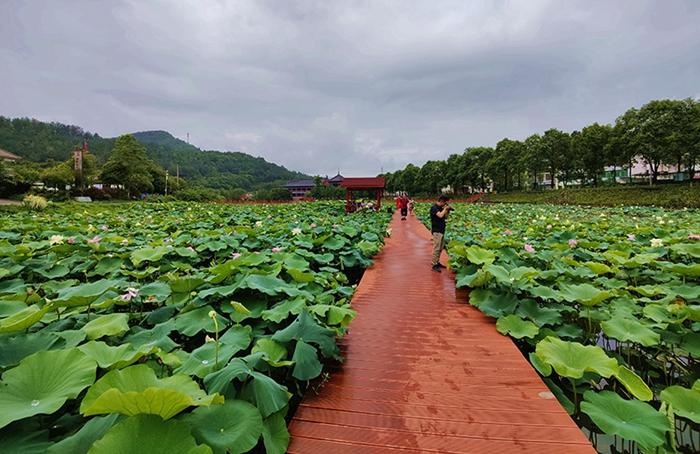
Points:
605	303
170	328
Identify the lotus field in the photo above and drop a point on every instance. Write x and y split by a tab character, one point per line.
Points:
606	304
170	328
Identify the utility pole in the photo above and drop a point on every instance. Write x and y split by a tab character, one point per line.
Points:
166	182
188	137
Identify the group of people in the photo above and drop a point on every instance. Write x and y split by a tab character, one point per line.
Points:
438	220
404	204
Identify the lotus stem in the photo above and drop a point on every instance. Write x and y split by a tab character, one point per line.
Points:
212	315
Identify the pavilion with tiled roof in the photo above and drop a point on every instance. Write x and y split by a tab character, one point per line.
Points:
352	185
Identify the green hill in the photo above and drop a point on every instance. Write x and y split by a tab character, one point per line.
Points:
51	142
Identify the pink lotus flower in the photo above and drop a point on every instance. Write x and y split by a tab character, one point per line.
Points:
572	243
235	255
130	294
529	248
104	227
277	249
313	226
508	232
71	240
693	236
94	240
631	237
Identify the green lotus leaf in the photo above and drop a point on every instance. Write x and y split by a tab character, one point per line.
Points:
185	284
306	363
340	315
81	441
541	315
203	360
685	270
689	292
42	383
307	329
634	383
23	319
149	254
477	279
300	276
269	285
107	325
107	266
24	441
546	293
585	294
84	294
233	427
275	433
493	303
12	286
692	250
118	357
274	352
137	390
571	359
334	243
630	419
478	255
156	337
219	381
240	308
268	395
149	434
516	327
630	330
598	268
14	348
685	402
540	366
158	291
282	310
191	322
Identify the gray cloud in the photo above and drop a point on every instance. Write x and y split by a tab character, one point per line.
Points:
352	86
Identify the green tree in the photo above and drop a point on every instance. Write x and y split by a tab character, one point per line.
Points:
129	166
590	145
58	176
533	158
556	148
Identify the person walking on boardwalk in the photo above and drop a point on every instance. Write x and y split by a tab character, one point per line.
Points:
403	205
438	219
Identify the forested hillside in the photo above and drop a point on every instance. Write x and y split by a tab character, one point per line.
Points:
46	142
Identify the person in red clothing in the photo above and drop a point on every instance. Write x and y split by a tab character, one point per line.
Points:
403	205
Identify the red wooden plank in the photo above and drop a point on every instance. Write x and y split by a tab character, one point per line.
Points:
426	372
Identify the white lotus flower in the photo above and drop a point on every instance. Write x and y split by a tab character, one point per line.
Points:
655	242
56	239
296	231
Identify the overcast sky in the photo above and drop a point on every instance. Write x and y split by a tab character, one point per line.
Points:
360	87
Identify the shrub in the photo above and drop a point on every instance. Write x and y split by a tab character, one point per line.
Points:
35	202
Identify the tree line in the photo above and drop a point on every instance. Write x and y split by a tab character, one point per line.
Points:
660	132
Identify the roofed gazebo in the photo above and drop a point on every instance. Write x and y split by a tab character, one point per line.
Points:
353	185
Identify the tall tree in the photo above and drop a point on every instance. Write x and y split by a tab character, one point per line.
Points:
590	145
129	166
533	158
556	147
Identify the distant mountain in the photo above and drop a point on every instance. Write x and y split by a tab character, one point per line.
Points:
45	142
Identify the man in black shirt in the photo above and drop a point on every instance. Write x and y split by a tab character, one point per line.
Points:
438	218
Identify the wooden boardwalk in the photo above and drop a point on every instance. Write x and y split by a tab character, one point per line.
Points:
426	372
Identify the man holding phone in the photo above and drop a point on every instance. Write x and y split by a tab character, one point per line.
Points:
438	218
